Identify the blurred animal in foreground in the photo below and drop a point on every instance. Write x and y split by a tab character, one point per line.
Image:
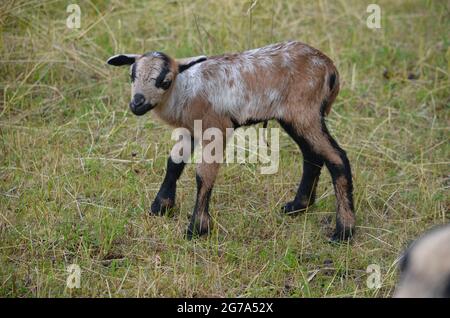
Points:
425	266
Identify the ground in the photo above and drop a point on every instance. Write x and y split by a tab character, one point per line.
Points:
78	171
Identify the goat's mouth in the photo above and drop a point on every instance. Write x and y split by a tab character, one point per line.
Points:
140	110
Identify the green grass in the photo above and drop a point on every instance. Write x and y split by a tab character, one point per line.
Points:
71	190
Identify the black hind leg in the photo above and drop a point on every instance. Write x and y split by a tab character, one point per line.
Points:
312	165
338	164
319	147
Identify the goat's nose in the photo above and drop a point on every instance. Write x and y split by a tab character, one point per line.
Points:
138	100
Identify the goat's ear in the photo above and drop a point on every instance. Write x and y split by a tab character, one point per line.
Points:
122	59
184	64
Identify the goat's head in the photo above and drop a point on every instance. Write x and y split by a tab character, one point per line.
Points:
152	75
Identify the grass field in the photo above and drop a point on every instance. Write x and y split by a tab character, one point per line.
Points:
78	171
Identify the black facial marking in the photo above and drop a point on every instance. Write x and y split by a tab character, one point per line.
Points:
160	80
133	73
184	67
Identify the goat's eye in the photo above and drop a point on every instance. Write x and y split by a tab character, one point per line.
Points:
166	84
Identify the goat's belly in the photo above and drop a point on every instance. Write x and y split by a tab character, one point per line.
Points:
255	111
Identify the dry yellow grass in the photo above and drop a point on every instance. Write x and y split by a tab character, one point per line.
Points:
72	192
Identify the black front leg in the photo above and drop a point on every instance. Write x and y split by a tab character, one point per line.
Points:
165	199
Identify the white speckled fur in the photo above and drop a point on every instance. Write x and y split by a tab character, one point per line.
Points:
273	82
229	100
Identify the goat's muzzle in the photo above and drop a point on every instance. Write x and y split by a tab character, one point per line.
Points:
138	105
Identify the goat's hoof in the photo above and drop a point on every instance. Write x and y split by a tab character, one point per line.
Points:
190	234
293	208
161	205
342	236
193	234
195	231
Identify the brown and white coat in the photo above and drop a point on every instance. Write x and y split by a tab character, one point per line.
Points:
289	82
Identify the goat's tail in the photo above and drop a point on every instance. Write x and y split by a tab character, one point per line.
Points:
332	89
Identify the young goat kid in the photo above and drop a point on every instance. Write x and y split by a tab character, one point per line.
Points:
290	82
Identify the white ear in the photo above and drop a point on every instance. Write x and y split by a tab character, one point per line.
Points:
122	59
185	63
